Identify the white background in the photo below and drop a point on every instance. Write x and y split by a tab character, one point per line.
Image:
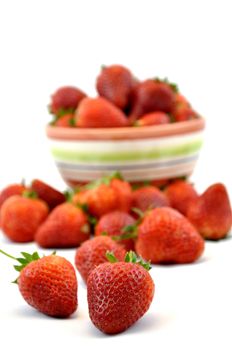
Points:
46	44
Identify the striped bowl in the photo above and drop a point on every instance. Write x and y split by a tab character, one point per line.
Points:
139	154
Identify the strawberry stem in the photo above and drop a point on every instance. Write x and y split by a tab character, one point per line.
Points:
8	255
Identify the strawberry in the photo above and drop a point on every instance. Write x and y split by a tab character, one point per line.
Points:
65	121
153	118
105	195
151	96
183	114
115	84
119	293
66	226
11	190
180	194
149	197
99	113
93	252
116	224
65	99
47	193
21	216
211	212
48	284
166	236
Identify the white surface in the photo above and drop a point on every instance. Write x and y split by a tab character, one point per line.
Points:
46	44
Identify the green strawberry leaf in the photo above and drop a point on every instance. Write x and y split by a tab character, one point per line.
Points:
173	86
30	194
133	258
111	257
106	180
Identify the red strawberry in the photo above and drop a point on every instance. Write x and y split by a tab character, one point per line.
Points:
181	194
21	216
65	99
47	193
115	84
105	195
149	197
93	252
65	121
183	114
211	213
99	113
66	226
153	118
116	223
11	190
151	96
166	236
119	293
48	284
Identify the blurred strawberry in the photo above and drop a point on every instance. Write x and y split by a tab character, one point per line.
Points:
47	193
181	194
149	197
66	226
11	190
166	236
117	224
65	100
21	216
99	113
153	118
124	193
115	83
211	213
93	253
65	121
151	96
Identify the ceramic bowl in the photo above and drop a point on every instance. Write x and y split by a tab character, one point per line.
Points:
138	153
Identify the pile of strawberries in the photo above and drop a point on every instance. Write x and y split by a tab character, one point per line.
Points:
129	226
122	101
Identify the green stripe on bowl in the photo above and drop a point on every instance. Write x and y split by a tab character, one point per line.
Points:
156	153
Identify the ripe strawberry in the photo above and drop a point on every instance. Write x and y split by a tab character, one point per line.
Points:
183	114
180	194
65	121
166	236
115	84
21	216
47	193
117	224
119	293
11	190
93	252
66	226
149	197
153	118
99	113
65	99
151	96
105	195
211	212
48	284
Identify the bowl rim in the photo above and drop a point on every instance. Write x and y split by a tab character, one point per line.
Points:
125	133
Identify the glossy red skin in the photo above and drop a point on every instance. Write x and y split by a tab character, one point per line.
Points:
21	217
93	253
65	98
64	121
149	197
166	236
66	226
113	224
118	295
211	213
182	114
153	118
181	194
11	190
115	84
124	194
47	193
50	286
99	113
151	96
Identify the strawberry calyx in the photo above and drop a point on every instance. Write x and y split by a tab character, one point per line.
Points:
173	86
130	257
30	194
106	180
